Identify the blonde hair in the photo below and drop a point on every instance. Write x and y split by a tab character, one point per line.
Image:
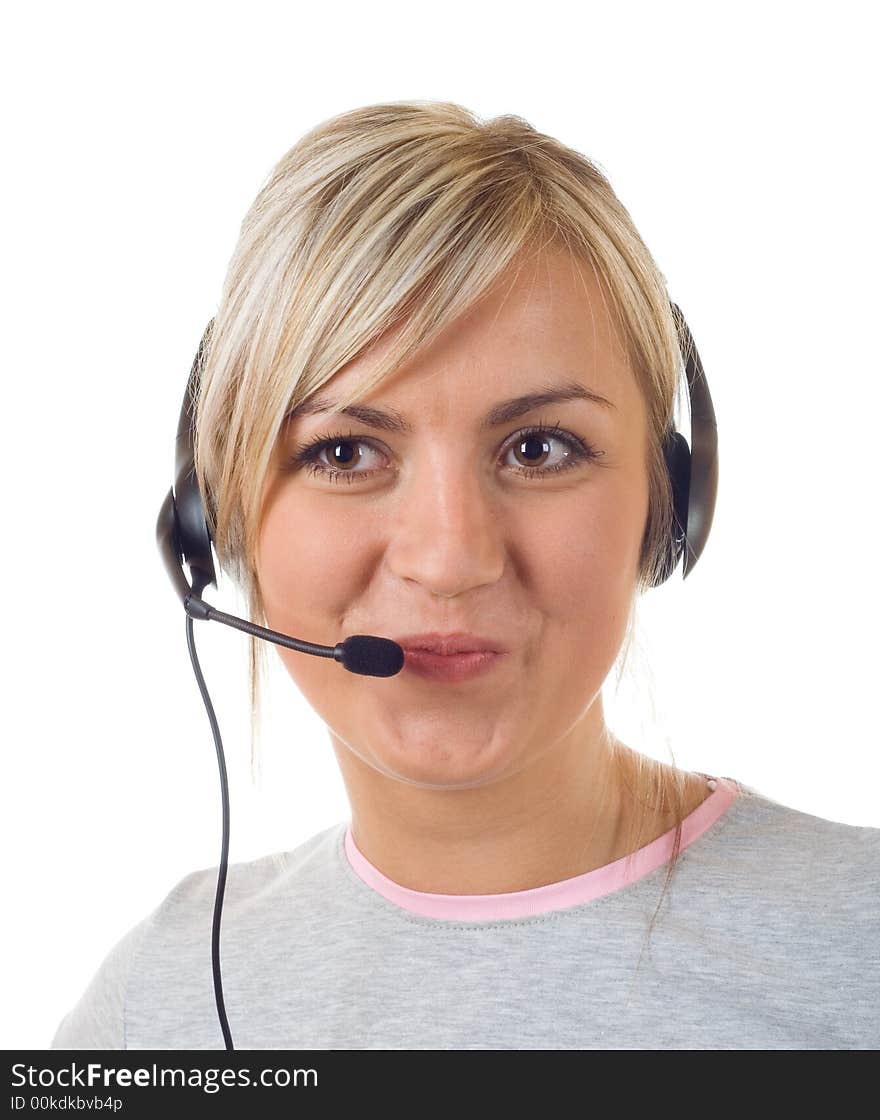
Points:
401	215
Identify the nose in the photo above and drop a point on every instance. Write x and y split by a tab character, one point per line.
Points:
448	534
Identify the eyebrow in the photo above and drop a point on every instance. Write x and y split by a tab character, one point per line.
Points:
390	420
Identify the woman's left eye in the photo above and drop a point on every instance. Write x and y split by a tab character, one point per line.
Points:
534	447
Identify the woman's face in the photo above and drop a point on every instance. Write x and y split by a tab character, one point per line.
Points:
445	524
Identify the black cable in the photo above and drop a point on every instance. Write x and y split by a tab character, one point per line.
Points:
224	853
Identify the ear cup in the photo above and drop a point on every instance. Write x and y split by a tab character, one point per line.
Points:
182	529
677	455
693	468
192	526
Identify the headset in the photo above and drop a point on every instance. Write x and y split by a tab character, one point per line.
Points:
183	536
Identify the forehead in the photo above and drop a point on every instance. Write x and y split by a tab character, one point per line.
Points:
545	322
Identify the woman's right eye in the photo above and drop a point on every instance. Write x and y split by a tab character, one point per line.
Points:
342	453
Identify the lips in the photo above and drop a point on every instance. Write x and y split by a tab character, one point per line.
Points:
449	645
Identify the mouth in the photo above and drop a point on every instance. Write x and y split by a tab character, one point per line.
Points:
451	667
450	657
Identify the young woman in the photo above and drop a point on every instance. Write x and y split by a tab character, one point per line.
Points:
432	406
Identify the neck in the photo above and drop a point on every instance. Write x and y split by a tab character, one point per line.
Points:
567	812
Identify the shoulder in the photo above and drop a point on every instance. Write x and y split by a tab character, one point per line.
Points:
785	845
793	876
252	884
781	909
99	1020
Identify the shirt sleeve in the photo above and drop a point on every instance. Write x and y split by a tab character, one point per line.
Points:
97	1021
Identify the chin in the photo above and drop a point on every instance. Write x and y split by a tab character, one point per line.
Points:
432	765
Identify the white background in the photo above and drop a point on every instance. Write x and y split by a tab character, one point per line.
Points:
741	139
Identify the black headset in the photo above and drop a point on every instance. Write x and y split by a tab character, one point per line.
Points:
183	536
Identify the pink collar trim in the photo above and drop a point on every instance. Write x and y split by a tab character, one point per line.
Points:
552	896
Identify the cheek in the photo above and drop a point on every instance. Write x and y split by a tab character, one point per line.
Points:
309	562
594	558
585	568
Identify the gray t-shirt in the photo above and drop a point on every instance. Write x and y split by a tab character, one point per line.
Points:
768	938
